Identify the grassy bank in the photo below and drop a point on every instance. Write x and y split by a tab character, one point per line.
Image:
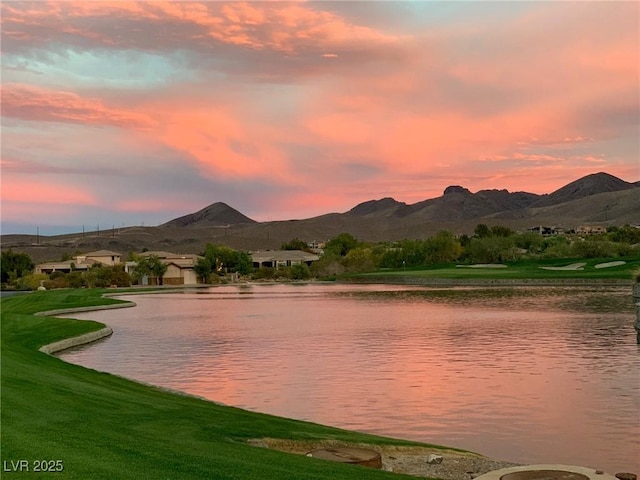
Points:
99	426
523	270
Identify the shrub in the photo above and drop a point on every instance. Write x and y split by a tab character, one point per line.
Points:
593	249
300	272
31	281
263	273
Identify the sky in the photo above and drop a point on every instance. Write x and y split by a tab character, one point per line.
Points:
126	113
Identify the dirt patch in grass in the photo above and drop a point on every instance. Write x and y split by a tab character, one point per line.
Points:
410	460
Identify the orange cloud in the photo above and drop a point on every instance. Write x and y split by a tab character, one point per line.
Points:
283	27
222	143
28	102
41	192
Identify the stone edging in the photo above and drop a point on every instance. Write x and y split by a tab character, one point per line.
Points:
75	341
62	311
80	339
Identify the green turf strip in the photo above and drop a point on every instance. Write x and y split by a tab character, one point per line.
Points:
522	270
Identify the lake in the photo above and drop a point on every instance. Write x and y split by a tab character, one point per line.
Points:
524	374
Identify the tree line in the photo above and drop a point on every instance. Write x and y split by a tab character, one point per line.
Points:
496	244
342	254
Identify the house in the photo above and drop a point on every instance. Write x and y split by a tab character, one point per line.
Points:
81	262
591	230
546	231
105	257
180	268
282	258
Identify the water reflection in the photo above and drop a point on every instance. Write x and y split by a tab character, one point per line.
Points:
534	375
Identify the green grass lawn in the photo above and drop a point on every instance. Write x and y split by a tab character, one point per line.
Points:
100	426
522	270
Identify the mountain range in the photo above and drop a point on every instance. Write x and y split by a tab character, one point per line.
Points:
597	199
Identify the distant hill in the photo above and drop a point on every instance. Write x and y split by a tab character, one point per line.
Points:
383	207
598	199
585	187
218	214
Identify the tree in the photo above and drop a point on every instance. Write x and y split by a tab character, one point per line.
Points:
341	244
441	248
360	259
530	241
158	269
501	231
14	265
491	250
220	259
482	231
295	244
150	266
203	269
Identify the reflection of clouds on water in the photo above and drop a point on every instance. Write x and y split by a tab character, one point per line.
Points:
527	374
577	299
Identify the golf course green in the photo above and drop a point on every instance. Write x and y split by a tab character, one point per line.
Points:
568	270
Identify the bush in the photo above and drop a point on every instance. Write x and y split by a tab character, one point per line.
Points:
56	282
31	281
263	273
327	266
359	260
300	272
593	249
105	276
491	250
75	280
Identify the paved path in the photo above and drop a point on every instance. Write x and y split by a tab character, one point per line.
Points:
528	472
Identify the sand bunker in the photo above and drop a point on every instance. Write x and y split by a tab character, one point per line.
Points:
573	266
483	265
610	264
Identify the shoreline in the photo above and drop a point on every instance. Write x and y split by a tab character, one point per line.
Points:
487	282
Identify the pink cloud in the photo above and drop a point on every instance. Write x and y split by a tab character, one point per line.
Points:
42	192
302	99
28	102
284	27
222	143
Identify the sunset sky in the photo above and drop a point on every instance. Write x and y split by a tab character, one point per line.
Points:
124	113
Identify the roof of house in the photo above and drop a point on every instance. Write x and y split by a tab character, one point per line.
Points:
66	265
101	253
170	256
180	262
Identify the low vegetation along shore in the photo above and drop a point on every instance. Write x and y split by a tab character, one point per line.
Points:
91	425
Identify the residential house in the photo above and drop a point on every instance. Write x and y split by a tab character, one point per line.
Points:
282	258
591	230
180	268
81	262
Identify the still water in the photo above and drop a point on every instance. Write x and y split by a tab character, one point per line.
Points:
531	375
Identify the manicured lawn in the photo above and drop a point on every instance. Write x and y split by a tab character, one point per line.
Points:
99	426
523	270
